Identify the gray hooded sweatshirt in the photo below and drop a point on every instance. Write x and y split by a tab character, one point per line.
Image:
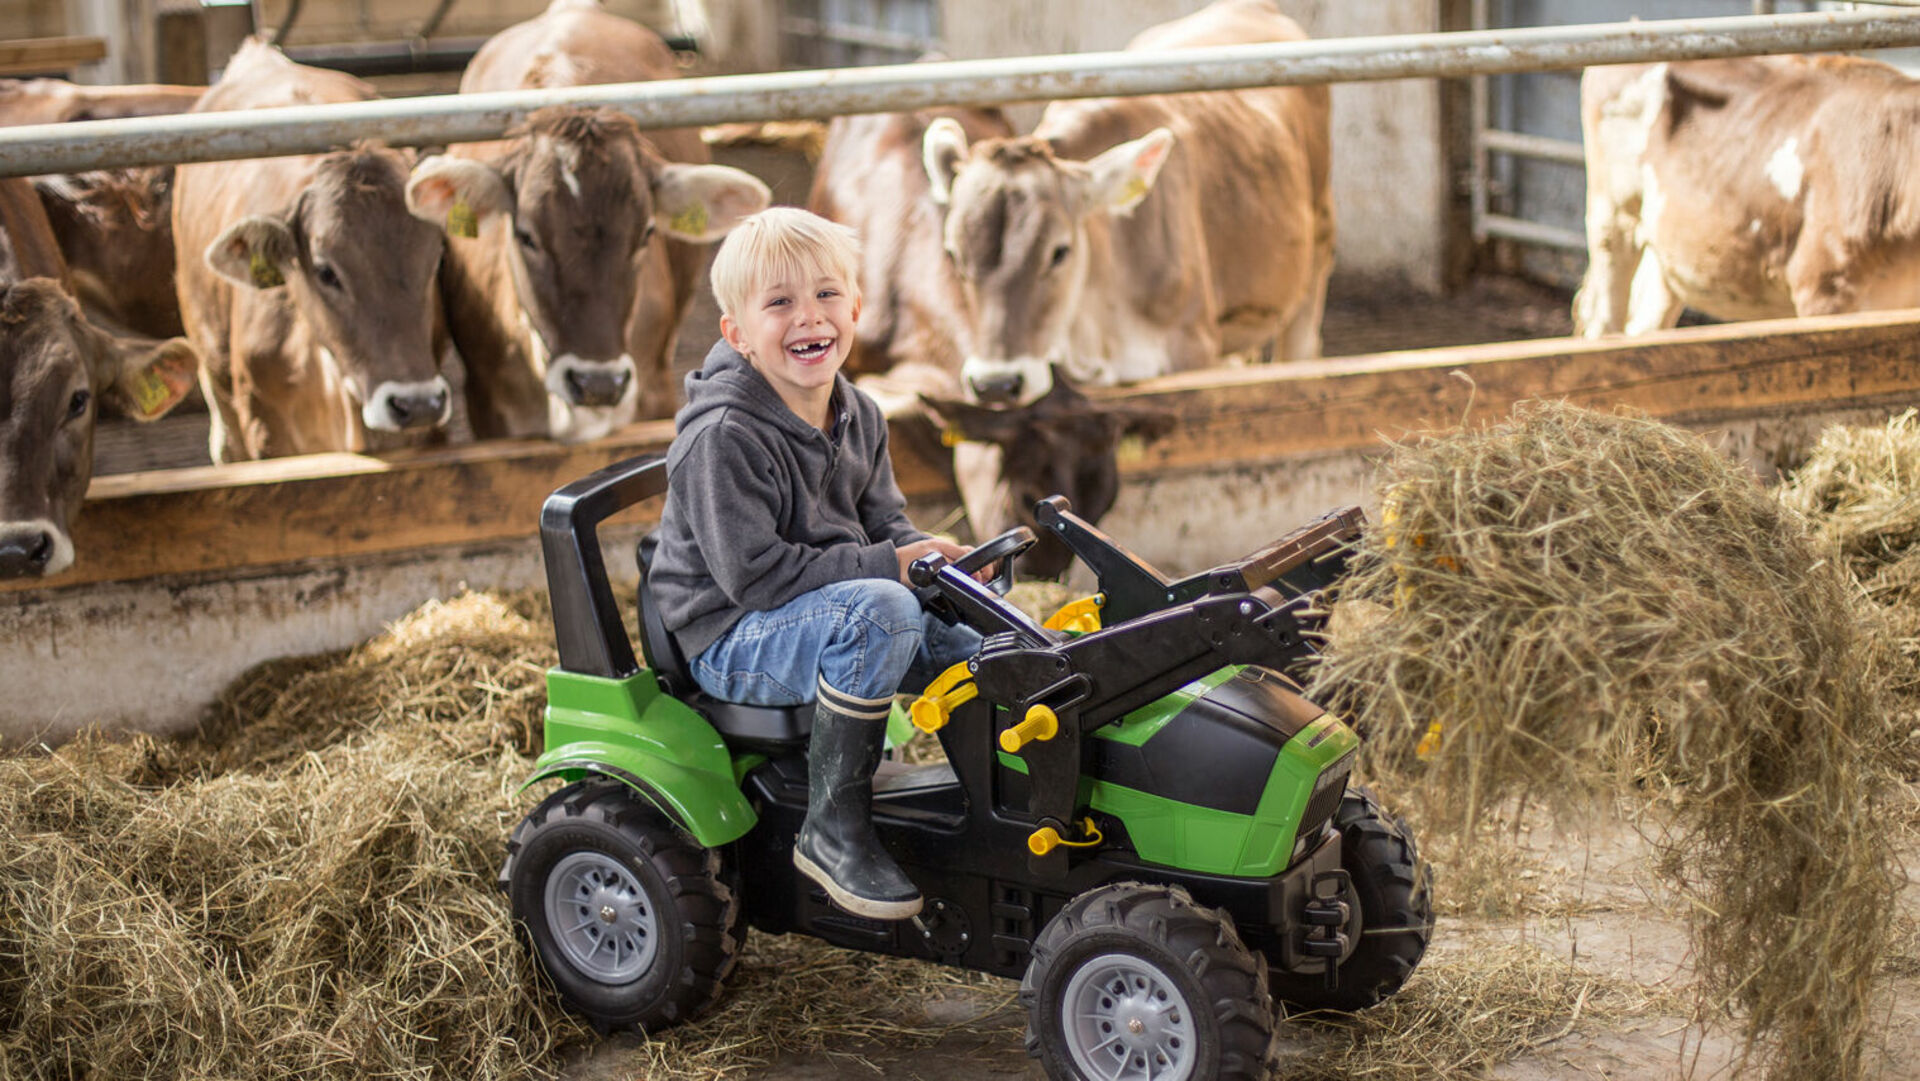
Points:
762	506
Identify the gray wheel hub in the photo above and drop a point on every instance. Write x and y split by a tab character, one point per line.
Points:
1125	1019
600	918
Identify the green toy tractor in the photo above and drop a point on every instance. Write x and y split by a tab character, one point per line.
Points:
1140	816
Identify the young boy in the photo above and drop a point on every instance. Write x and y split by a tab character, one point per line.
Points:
784	543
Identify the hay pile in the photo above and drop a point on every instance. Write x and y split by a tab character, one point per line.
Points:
1592	604
310	897
1861	488
306	889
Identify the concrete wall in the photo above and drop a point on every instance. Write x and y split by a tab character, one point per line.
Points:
1389	163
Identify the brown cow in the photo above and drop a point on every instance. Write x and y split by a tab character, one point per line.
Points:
564	307
1747	189
113	225
56	101
870	176
308	282
56	368
115	228
1132	237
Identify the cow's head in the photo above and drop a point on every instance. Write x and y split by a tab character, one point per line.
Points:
358	266
1016	233
584	196
56	369
1062	444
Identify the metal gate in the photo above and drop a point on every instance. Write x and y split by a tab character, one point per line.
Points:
858	33
1527	178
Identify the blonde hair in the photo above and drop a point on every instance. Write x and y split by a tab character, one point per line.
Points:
782	243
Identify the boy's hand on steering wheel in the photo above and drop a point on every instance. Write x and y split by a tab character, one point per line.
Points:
907	553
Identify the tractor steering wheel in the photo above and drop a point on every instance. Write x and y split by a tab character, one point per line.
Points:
1003	549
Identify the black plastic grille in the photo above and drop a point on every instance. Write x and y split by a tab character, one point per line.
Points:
1321	806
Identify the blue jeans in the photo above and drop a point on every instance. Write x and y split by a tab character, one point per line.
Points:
864	639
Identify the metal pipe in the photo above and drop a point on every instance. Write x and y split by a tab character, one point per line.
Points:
1520	144
431	121
1532	232
1480	118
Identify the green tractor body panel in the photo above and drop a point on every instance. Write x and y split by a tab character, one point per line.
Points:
1251	828
628	729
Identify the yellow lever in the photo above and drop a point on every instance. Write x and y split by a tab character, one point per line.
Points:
931	711
1046	839
1039	724
1079	617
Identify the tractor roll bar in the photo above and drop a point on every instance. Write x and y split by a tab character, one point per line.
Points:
586	621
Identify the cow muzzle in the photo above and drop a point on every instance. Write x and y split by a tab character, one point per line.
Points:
591	382
1007	382
33	549
398	407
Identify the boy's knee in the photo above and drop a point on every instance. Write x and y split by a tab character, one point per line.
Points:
889	605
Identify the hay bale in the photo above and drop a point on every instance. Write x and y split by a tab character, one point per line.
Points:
1594	604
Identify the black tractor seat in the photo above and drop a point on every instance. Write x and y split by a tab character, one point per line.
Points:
771	729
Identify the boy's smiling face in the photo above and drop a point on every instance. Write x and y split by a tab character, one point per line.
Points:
797	331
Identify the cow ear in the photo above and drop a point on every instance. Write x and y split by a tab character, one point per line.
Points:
144	379
256	252
942	149
702	203
1118	179
456	194
962	420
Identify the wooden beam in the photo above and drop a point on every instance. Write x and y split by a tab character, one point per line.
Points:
216	520
1688	376
38	56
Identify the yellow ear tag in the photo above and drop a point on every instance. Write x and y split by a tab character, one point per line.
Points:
1135	191
158	386
692	221
1131	449
265	274
149	392
461	220
951	437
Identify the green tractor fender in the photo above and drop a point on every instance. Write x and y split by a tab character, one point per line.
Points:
629	730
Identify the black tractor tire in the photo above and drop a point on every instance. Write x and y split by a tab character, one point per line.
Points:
635	923
1131	981
1394	921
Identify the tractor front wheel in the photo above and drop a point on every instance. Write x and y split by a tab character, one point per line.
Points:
1392	918
635	923
1132	982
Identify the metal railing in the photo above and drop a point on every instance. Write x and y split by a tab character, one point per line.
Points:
435	121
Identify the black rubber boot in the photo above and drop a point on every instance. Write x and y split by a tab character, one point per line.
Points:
837	847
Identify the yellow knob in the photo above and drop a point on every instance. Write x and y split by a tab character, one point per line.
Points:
1040	723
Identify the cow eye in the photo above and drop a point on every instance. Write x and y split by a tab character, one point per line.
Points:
77	405
327	276
1059	256
525	239
646	236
